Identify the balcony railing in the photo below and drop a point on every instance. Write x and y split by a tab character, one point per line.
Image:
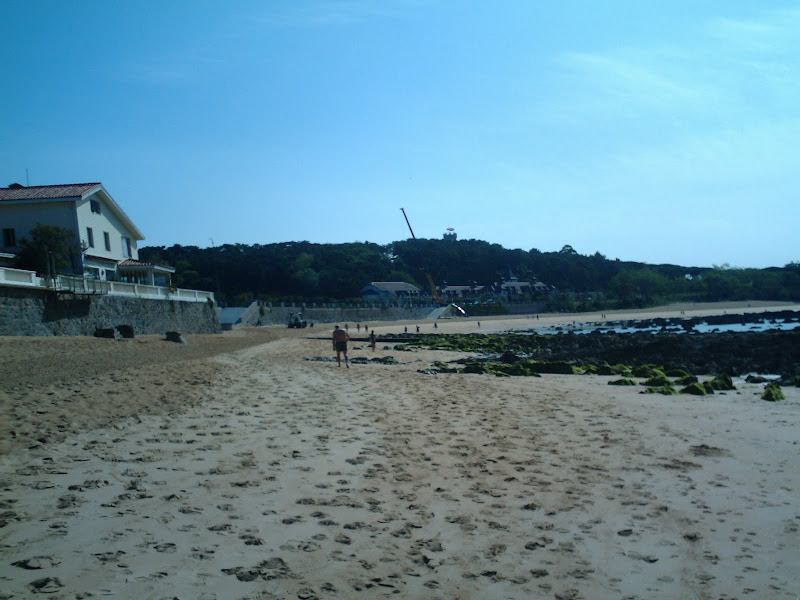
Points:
89	286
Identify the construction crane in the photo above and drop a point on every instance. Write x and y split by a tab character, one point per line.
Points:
435	293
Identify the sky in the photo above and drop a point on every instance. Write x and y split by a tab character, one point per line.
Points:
659	132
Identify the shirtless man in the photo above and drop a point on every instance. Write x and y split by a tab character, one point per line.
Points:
340	339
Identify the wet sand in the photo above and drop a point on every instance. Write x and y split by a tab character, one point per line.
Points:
233	468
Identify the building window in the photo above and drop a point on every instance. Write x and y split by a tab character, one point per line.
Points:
107	240
126	246
90	236
9	238
95	204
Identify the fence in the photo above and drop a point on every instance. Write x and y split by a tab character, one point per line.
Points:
87	286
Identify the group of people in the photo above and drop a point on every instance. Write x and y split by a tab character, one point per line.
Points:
342	336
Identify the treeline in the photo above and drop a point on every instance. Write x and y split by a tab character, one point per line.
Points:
240	273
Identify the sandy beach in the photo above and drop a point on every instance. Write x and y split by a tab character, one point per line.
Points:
231	467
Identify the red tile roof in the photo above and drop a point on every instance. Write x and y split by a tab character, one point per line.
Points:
42	192
133	264
130	262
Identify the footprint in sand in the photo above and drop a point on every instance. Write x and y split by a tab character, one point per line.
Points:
37	562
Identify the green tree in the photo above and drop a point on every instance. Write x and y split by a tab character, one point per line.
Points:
50	250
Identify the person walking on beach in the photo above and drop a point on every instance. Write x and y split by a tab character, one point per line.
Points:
372	340
340	338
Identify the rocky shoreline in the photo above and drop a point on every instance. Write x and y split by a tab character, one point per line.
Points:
734	353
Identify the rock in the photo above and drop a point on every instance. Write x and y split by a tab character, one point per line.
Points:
175	336
773	393
126	331
695	389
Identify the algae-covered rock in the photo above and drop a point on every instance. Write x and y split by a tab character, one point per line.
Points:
695	388
561	367
658	380
474	367
647	371
679	373
773	393
686	380
756	379
722	383
623	381
386	360
666	390
509	357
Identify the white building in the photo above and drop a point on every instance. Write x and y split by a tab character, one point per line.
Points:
389	289
106	235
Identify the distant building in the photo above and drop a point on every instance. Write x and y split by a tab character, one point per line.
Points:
389	289
461	291
450	235
512	286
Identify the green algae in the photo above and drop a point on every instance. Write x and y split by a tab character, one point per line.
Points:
773	393
666	390
722	383
695	389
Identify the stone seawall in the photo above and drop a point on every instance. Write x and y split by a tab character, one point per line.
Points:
42	312
279	315
526	308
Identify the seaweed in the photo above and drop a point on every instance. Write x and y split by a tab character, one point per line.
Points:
773	393
722	383
679	373
696	389
647	371
666	390
658	379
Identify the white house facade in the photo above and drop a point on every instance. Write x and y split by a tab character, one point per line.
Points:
106	234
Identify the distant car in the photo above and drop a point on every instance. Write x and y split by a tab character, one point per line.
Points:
296	321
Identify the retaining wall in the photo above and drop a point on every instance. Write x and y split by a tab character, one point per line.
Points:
42	312
279	315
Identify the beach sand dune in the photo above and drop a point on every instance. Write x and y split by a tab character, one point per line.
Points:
243	471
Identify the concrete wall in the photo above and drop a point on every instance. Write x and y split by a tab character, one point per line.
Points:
41	312
279	315
525	308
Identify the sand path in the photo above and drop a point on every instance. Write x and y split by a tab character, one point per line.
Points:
296	479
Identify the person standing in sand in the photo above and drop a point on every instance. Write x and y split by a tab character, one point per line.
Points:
340	339
372	340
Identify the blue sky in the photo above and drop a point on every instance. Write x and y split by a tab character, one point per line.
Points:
660	131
